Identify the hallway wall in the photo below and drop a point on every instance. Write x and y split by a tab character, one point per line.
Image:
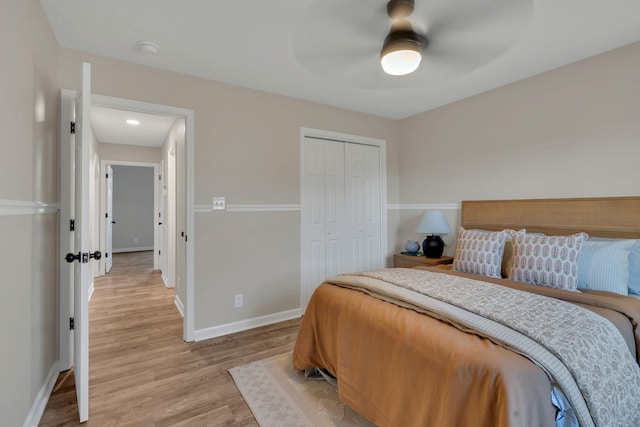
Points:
28	209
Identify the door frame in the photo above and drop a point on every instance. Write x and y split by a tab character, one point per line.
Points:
66	294
304	232
103	207
67	187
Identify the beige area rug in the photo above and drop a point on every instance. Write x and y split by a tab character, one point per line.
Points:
278	395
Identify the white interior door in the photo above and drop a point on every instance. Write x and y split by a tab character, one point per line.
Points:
341	210
362	192
82	273
109	221
313	217
334	202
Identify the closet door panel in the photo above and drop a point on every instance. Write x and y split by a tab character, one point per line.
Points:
362	180
334	207
372	225
313	216
341	210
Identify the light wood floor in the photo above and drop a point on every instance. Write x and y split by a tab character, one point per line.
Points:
141	372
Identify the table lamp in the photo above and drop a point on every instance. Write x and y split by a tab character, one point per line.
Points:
433	222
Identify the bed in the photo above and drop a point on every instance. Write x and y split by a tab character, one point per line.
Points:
431	347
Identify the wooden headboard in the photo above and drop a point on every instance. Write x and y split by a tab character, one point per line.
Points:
600	216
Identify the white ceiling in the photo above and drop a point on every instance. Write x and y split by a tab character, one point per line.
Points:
327	50
111	127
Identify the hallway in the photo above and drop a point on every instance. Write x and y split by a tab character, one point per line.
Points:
141	372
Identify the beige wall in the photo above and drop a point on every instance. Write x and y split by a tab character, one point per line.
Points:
129	153
246	149
28	172
571	132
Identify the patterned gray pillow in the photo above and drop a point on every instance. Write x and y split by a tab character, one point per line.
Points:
479	252
546	260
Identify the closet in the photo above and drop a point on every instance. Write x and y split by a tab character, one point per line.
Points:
341	210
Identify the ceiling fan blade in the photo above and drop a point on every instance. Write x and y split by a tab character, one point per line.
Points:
503	19
347	33
341	39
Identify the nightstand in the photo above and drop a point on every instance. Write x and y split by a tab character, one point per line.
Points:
408	261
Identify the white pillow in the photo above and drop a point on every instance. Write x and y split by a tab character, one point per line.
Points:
604	266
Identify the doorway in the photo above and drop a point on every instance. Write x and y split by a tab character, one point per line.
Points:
184	194
65	300
131	216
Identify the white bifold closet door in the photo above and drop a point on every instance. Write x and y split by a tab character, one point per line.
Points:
341	210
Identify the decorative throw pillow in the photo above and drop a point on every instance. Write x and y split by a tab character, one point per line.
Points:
634	262
479	252
604	266
507	256
546	260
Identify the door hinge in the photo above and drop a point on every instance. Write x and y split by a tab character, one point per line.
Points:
158	252
72	225
71	323
73	127
160	177
107	176
106	215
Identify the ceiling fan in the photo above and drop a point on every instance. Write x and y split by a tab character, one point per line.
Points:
348	41
402	48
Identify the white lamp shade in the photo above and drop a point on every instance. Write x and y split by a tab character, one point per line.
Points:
433	222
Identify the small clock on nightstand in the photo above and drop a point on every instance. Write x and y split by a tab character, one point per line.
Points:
409	261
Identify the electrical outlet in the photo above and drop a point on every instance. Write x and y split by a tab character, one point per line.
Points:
239	301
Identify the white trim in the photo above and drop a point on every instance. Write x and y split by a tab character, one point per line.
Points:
165	280
179	305
23	207
249	208
92	289
243	325
134	249
40	403
424	206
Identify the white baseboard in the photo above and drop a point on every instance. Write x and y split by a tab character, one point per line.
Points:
135	249
165	279
243	325
92	288
179	305
39	405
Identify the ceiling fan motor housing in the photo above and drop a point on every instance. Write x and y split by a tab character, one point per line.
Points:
399	9
401	40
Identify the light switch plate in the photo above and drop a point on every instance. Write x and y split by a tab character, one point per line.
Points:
219	204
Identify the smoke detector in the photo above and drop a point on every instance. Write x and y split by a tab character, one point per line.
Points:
148	47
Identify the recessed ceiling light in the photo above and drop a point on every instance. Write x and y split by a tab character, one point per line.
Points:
133	122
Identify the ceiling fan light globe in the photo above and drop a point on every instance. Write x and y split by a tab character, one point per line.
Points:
401	62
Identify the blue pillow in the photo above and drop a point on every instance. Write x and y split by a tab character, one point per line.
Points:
603	265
